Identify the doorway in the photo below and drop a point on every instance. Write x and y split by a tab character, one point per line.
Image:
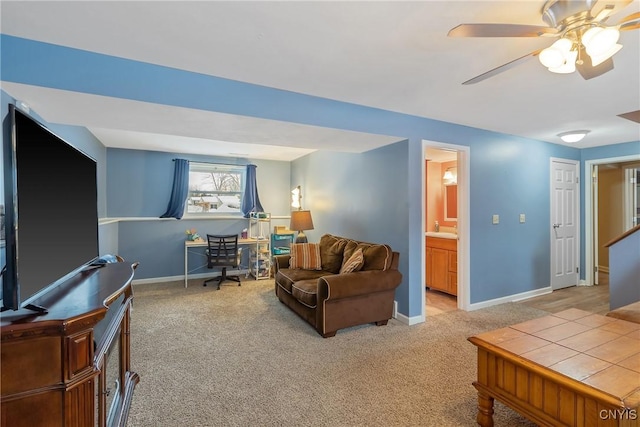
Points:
445	223
611	207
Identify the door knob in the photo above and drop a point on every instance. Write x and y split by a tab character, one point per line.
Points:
556	225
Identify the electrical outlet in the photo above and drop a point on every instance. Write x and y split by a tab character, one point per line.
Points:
495	219
522	219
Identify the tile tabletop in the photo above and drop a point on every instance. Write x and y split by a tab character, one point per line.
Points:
597	350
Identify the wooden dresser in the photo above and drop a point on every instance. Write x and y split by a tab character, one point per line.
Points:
442	264
71	366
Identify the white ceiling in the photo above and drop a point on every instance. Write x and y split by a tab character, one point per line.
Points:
392	55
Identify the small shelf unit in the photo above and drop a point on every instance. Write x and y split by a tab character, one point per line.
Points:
260	253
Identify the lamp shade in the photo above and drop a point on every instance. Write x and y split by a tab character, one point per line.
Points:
301	220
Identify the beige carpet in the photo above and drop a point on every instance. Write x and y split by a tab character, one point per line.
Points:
238	357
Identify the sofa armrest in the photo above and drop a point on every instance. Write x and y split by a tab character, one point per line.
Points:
280	261
358	283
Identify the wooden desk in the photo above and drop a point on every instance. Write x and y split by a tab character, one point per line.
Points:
573	368
190	244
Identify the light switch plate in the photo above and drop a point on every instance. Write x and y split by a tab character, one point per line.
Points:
522	218
495	219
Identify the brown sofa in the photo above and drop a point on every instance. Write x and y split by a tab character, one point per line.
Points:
330	300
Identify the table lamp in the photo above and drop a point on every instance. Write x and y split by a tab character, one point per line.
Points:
300	221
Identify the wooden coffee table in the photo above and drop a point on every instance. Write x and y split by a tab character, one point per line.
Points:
572	368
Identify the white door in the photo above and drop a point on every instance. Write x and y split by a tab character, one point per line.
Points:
564	223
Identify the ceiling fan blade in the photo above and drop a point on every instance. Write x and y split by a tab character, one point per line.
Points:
500	30
604	8
587	70
632	17
633	25
634	116
502	68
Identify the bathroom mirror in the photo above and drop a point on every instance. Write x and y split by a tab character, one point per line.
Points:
451	202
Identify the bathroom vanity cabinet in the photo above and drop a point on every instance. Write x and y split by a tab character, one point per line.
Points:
442	264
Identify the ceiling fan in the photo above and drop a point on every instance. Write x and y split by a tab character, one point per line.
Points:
584	41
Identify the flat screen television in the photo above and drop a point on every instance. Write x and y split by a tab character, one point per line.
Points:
51	211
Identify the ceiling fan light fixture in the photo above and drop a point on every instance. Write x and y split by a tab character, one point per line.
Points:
551	57
599	59
599	40
564	44
573	135
569	65
558	54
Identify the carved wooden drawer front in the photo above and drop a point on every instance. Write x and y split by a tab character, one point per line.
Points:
80	352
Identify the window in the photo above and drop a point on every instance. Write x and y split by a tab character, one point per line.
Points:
215	188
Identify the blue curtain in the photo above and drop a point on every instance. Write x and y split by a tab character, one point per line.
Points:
179	191
251	201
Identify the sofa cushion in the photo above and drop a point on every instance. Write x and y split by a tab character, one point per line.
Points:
331	252
306	291
354	263
305	256
285	277
376	256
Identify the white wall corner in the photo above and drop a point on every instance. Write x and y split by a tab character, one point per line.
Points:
406	319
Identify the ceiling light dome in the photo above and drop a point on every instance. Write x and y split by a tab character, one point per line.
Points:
573	135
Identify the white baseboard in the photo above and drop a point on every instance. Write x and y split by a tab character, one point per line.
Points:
191	276
475	306
510	298
405	319
408	320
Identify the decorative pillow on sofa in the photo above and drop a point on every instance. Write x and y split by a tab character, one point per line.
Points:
354	263
376	256
331	252
305	256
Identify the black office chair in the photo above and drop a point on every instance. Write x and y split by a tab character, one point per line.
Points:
222	251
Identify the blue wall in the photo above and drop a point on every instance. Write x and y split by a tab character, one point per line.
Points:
360	196
139	187
508	175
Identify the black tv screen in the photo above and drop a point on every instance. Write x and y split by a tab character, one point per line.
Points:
51	213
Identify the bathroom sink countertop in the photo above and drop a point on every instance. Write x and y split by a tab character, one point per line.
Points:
441	234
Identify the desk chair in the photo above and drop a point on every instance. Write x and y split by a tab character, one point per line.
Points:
222	251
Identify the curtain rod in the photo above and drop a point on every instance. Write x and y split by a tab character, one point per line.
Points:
216	163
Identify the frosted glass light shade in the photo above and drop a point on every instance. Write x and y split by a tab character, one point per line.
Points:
296	195
599	40
573	136
570	64
556	55
551	58
599	59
